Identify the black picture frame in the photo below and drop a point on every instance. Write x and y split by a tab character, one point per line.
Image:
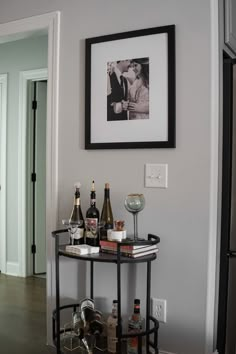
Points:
158	44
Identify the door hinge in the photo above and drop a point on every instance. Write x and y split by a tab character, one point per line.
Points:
33	177
34	105
33	249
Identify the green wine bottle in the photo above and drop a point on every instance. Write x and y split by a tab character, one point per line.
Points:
106	216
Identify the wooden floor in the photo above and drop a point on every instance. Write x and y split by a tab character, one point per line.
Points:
23	316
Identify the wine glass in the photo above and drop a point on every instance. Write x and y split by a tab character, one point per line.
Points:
134	203
72	227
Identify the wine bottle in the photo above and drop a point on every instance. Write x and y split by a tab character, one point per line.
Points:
77	232
134	326
106	216
112	322
92	219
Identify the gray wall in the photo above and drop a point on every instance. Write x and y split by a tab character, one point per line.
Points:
27	54
180	215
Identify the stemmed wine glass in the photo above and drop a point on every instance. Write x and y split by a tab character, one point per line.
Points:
72	227
134	203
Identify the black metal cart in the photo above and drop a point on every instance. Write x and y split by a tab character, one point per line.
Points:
152	324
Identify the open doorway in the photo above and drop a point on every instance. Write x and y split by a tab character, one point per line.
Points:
16	55
33	105
12	31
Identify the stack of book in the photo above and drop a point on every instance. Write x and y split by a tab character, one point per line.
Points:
133	251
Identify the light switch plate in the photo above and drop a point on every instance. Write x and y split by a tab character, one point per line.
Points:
156	175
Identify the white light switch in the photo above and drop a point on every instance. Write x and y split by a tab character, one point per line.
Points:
156	175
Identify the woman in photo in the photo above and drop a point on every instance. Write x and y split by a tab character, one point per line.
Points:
138	106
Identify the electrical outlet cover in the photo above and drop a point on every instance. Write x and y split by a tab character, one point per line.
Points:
159	309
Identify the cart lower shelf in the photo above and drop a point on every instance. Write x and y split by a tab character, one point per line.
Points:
72	344
65	348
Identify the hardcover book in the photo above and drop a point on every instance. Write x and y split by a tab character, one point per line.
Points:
131	255
113	245
131	250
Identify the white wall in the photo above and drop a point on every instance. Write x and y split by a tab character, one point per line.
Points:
17	56
180	215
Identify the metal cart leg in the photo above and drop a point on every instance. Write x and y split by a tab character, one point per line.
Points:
148	303
57	296
91	279
119	346
139	345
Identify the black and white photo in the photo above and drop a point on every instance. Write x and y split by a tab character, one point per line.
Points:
130	90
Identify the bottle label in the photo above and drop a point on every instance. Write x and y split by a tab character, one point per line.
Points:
77	233
111	335
91	227
134	326
132	342
77	201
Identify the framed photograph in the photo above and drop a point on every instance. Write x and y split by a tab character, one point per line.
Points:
130	90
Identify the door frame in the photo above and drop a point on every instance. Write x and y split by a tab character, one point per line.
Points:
3	151
212	286
19	29
24	97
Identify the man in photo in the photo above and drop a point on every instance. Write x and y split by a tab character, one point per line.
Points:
117	91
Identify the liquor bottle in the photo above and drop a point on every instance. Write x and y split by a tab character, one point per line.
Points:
134	326
106	216
92	219
76	233
112	322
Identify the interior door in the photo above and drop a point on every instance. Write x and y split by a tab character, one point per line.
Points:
0	171
39	198
227	272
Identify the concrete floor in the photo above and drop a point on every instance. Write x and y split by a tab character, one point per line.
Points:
23	316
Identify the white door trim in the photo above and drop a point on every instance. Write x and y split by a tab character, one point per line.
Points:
3	139
214	221
24	252
49	22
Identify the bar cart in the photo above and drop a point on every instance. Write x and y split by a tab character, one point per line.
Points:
152	324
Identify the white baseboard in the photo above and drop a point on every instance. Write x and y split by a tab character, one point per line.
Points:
12	269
